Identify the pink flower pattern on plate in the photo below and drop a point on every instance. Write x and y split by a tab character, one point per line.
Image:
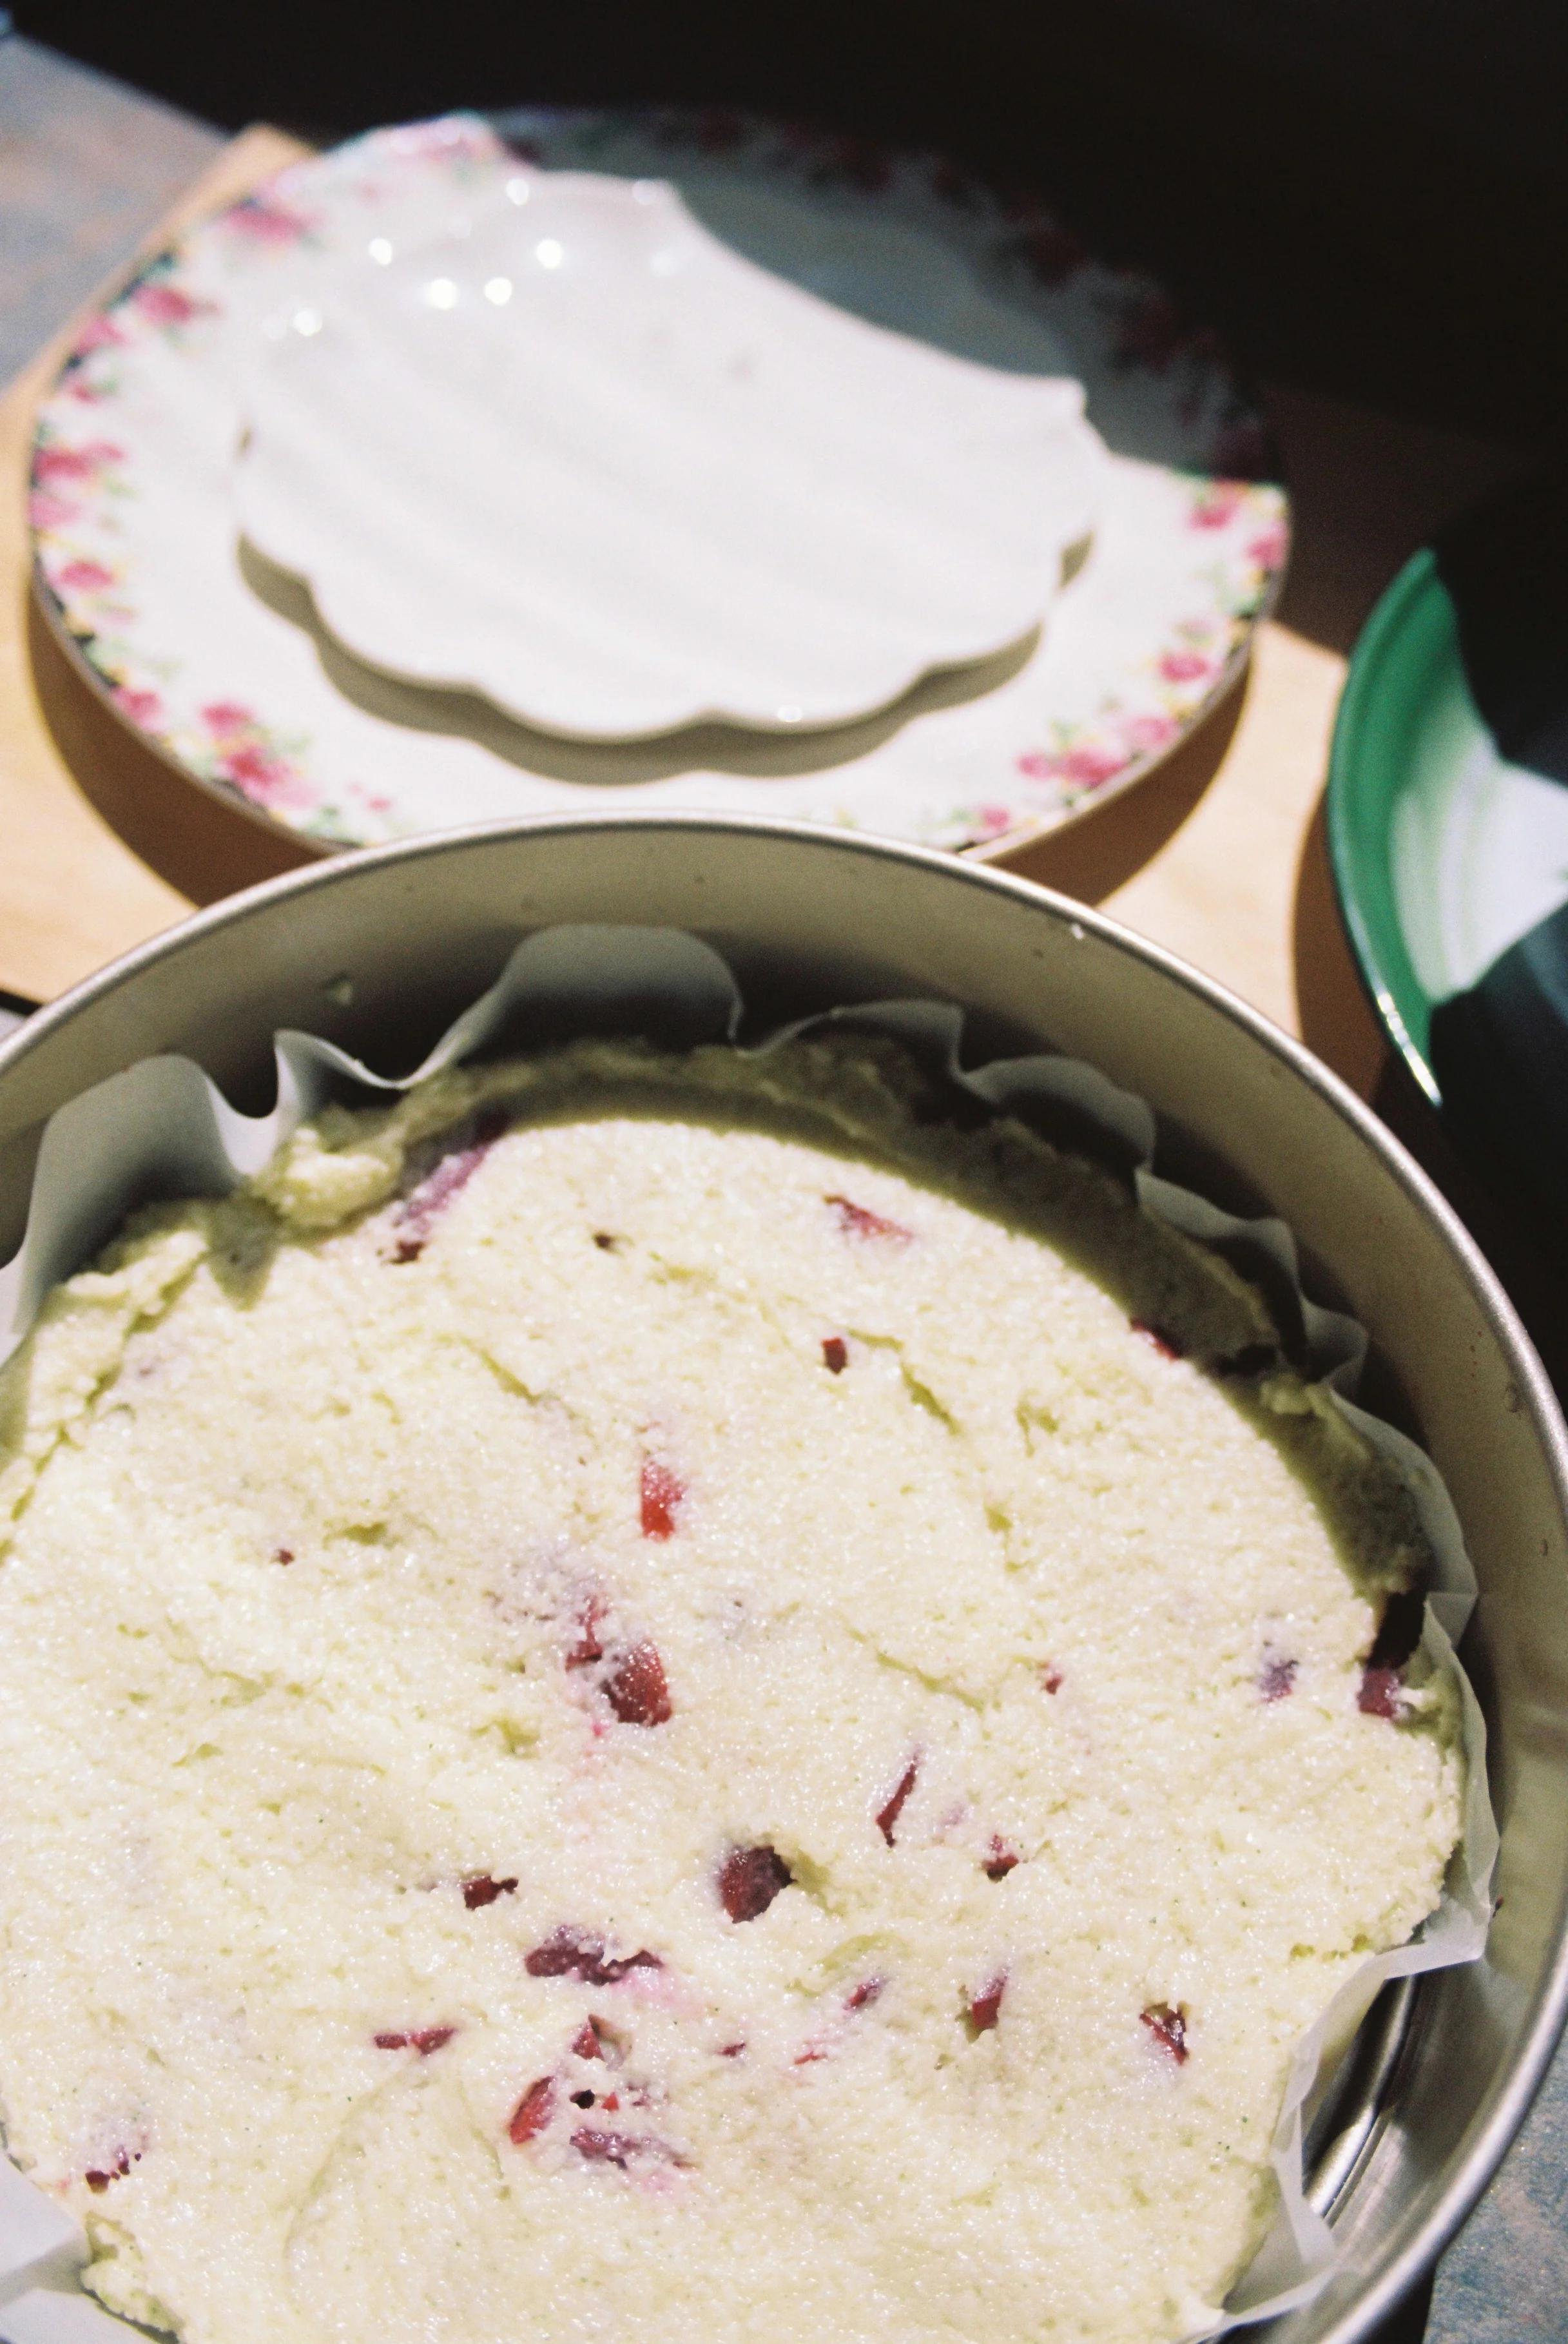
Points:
84	576
143	708
1183	667
51	460
47	512
83	556
165	304
252	761
264	219
99	333
1218	503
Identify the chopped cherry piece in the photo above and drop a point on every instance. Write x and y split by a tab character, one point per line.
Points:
1381	1693
612	2100
636	1688
1156	1339
1051	1676
532	2112
749	1880
662	1493
730	2050
810	2055
427	2039
571	1954
99	2179
590	1644
1169	2029
585	2043
887	1816
834	1354
423	1206
392	2042
567	1955
1277	1677
484	1891
862	1996
282	1554
860	1221
987	2007
999	1859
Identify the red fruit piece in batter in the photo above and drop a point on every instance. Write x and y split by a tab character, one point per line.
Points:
862	1996
887	1816
570	1953
423	1206
282	1554
585	2043
999	1859
987	2006
99	2178
1156	1339
484	1891
834	1354
1277	1677
636	1687
1381	1693
422	2039
590	1644
1050	1676
532	2112
749	1880
662	1494
1169	2029
860	1221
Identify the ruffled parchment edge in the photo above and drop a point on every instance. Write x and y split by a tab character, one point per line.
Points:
163	1129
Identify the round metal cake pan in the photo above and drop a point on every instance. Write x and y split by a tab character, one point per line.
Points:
378	951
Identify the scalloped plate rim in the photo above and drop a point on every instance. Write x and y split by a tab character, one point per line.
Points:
1077	800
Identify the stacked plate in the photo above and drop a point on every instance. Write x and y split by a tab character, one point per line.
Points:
471	472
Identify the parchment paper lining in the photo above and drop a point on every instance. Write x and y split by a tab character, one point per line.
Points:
163	1129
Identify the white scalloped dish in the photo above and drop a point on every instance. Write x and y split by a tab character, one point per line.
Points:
574	454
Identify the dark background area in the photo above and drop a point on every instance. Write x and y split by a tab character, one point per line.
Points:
1366	197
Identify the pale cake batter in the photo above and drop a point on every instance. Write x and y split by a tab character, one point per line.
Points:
642	1700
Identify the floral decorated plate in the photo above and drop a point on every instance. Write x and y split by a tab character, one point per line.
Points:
218	661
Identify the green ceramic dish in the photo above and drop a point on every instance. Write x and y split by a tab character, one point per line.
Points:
1448	784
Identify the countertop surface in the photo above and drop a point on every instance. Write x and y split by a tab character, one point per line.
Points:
1221	855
